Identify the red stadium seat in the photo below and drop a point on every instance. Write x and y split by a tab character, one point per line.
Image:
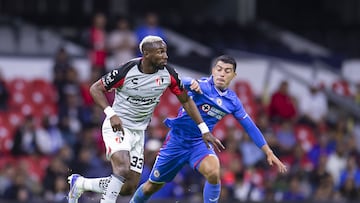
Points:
305	136
341	87
6	138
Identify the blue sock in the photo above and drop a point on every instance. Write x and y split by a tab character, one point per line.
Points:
211	192
139	196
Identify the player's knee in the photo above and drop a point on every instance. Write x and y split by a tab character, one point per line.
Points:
212	175
150	188
121	171
128	189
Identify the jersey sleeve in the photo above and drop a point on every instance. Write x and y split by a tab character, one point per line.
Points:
116	77
186	82
248	124
176	86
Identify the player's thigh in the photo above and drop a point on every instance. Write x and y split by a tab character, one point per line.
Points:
168	163
203	156
209	166
115	141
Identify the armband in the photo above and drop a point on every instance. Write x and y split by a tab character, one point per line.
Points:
203	128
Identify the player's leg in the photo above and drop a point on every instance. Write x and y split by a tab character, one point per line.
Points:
209	166
144	191
117	147
127	165
170	160
210	169
130	186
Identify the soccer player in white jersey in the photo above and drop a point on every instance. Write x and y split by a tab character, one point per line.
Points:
138	85
185	145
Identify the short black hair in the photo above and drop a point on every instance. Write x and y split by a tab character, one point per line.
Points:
226	59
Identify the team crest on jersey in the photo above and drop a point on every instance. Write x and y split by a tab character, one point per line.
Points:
159	81
156	173
219	101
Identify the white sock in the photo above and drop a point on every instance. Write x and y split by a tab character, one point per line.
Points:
98	185
113	189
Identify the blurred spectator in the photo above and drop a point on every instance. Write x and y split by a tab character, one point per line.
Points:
294	193
29	139
282	105
357	94
4	94
61	64
313	107
319	175
150	26
321	148
96	40
69	84
286	138
300	164
230	161
88	101
50	136
18	190
337	162
356	135
122	42
326	191
352	172
251	154
51	183
349	191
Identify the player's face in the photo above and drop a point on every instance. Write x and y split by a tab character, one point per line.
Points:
158	55
223	73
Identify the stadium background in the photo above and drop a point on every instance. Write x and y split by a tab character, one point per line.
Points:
306	43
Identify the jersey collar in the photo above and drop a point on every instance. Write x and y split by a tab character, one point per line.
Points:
220	92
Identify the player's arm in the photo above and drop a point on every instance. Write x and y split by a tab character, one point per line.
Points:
191	84
192	110
97	91
258	138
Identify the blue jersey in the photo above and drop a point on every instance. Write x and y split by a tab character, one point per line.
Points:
213	105
184	143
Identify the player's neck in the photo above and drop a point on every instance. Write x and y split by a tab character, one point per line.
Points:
147	68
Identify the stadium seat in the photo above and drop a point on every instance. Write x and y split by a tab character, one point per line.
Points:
6	138
341	87
305	136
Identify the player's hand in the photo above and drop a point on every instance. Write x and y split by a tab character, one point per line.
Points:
209	138
195	86
116	124
272	159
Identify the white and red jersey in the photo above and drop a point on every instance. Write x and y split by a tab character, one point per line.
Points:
138	93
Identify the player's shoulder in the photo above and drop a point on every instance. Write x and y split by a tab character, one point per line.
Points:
132	62
232	96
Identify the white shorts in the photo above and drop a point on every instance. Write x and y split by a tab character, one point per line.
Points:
132	141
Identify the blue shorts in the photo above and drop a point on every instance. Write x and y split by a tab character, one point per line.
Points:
175	154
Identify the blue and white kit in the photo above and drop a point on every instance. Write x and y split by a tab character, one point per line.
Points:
184	143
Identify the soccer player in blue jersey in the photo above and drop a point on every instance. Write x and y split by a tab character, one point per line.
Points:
184	143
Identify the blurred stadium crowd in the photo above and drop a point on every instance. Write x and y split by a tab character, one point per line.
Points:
50	129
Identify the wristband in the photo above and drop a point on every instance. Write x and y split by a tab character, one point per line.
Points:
203	128
109	112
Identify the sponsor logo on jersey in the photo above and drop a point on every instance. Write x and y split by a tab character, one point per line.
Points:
141	100
212	111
